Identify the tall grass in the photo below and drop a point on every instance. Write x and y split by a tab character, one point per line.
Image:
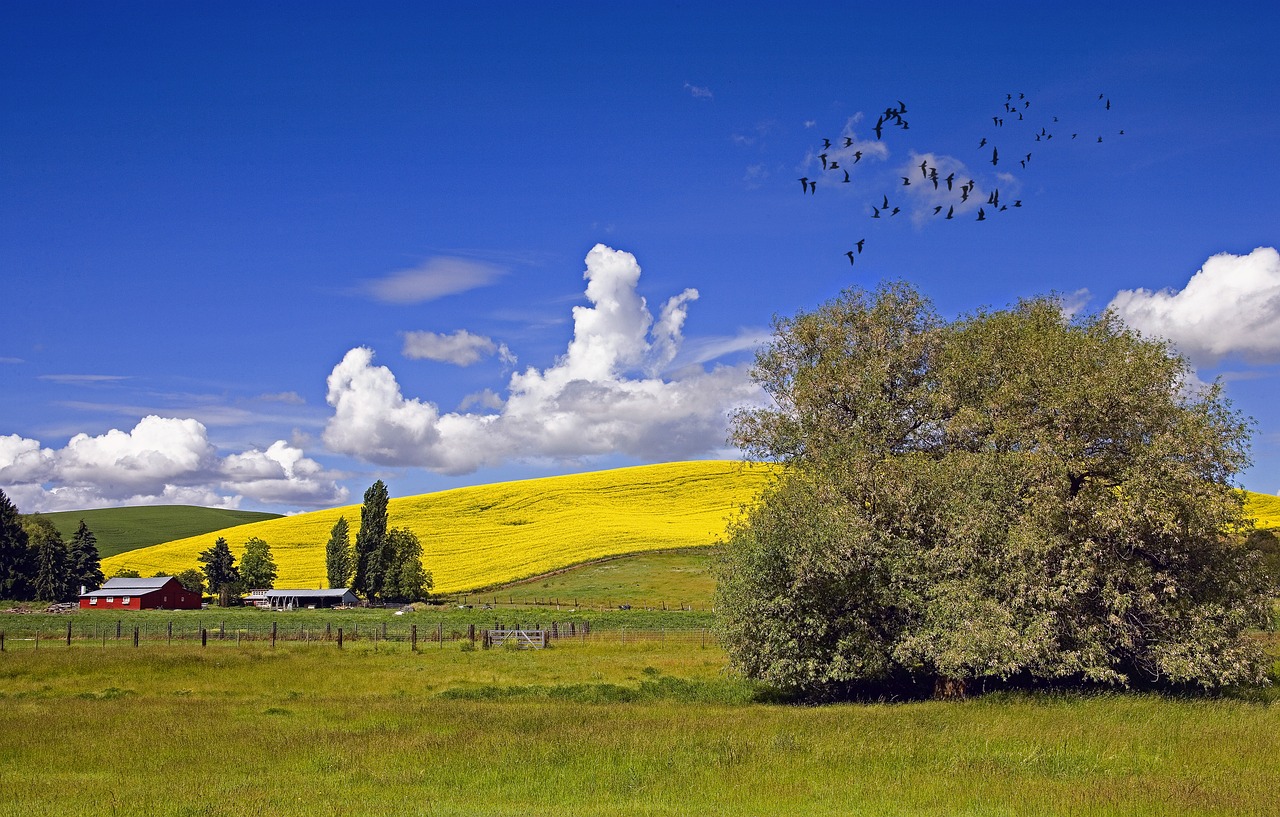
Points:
585	729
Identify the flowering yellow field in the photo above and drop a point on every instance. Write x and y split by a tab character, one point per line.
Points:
1264	508
485	535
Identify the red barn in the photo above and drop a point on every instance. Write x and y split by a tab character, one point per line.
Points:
159	593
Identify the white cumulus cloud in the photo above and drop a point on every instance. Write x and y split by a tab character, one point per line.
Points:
161	460
605	395
1230	307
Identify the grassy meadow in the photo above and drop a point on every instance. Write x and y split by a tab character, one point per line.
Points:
583	728
120	530
488	535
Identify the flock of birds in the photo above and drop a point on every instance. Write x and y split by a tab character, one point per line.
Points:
947	197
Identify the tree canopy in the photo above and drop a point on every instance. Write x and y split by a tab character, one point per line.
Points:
1016	494
257	568
17	561
220	570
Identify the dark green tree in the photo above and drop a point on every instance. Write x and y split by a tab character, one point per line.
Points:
407	580
371	543
192	579
50	582
1011	495
337	554
220	571
126	573
257	568
17	560
84	563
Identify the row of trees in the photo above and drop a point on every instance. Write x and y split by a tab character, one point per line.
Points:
35	561
223	577
384	564
1013	496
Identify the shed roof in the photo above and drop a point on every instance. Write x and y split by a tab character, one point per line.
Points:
332	593
125	586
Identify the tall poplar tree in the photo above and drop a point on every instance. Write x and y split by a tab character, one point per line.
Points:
337	554
371	543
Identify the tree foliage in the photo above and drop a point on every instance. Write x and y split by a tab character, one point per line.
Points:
192	580
371	549
17	561
1012	495
220	571
257	568
337	554
50	582
84	564
406	579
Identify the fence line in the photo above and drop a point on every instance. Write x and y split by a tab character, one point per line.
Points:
415	635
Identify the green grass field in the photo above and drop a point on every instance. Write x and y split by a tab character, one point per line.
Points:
120	530
592	728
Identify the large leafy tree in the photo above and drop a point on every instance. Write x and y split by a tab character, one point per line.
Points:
84	564
257	568
1014	494
337	554
220	570
371	547
17	560
407	579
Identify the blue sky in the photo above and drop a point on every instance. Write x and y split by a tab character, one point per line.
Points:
261	256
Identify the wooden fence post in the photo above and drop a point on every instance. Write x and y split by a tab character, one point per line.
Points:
440	634
273	635
413	638
117	630
204	637
339	638
1	640
328	631
135	635
471	633
171	633
68	633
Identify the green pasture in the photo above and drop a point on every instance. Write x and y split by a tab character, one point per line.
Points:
672	579
583	728
119	530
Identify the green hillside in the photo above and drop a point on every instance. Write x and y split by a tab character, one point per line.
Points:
120	530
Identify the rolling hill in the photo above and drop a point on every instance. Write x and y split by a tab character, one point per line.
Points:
120	530
487	535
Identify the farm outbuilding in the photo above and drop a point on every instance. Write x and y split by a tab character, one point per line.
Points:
295	599
158	593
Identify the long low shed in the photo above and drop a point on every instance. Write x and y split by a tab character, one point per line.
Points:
294	599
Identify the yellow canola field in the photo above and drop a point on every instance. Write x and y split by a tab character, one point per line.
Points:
486	535
1264	508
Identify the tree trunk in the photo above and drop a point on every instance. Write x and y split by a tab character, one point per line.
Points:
949	689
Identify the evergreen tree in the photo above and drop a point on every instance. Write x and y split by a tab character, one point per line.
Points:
371	543
220	570
257	568
84	565
50	582
17	565
337	554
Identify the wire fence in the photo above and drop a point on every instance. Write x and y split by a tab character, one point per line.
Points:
121	633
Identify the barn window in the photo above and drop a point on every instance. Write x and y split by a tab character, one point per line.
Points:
124	599
93	601
110	599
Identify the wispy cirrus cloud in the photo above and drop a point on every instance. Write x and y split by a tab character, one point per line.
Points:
435	278
461	348
80	379
698	91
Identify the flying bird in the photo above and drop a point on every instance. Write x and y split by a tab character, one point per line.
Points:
995	156
859	245
850	254
905	181
950	179
982	215
848	142
951	211
846	177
